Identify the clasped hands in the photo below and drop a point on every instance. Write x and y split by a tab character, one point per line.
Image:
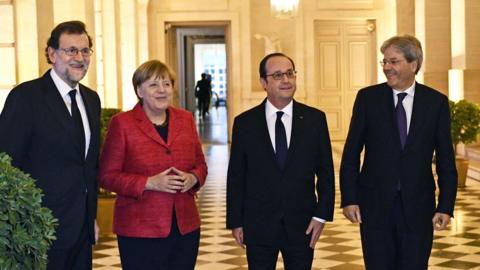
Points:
171	180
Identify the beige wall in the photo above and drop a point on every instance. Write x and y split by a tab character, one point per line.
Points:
472	50
253	32
136	30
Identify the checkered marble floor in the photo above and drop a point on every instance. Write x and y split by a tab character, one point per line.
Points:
339	247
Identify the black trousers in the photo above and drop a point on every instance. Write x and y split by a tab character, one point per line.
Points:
296	256
78	257
396	247
176	251
203	105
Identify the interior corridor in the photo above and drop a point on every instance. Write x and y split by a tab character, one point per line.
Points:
339	246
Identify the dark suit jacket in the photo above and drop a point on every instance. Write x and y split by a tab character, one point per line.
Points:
260	196
203	89
132	152
37	132
373	127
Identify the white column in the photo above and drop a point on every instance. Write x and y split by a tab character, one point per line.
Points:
128	50
456	73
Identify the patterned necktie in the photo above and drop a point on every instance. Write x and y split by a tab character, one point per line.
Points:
77	120
280	141
401	119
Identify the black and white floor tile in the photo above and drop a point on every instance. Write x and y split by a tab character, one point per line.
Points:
339	247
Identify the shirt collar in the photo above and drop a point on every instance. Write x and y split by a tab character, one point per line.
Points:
410	90
270	109
62	86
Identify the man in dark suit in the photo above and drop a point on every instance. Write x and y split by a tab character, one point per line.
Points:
399	124
50	127
280	157
203	92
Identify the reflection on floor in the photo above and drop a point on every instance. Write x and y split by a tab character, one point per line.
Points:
339	246
213	127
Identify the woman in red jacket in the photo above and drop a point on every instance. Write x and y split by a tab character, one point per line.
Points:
153	160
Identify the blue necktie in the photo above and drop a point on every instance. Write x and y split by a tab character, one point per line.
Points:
77	121
281	147
401	119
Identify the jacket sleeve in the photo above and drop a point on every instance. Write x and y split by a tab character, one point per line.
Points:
200	168
325	175
112	160
445	162
236	179
16	127
350	164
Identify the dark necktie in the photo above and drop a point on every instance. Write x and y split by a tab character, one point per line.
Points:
280	141
77	121
401	119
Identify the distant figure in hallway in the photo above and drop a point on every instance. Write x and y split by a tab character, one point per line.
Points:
399	125
203	92
210	93
51	128
280	182
153	160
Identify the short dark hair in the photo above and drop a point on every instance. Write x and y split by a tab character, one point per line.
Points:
263	63
410	47
70	27
149	69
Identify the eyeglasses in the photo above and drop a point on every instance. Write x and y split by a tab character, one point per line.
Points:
279	75
393	62
73	51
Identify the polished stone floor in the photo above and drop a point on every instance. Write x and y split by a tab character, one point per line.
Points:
339	246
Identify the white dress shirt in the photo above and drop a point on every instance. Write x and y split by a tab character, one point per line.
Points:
63	88
407	102
271	116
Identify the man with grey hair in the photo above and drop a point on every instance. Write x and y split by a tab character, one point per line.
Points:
399	125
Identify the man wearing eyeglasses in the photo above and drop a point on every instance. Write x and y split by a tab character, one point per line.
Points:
399	125
280	183
50	128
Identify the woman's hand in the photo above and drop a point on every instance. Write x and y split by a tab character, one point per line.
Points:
189	180
165	181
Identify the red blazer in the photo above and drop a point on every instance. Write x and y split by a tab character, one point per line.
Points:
133	151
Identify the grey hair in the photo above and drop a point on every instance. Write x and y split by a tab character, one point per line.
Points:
409	45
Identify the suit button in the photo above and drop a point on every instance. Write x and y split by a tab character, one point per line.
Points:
168	152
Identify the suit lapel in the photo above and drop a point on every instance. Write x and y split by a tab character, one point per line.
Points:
55	101
175	124
418	114
92	122
299	127
389	112
56	104
146	126
261	130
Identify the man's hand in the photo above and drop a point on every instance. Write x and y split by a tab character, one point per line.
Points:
238	235
97	231
352	213
315	228
440	221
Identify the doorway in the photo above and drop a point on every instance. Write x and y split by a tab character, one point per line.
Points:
196	50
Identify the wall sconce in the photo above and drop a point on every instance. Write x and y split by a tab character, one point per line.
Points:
284	9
